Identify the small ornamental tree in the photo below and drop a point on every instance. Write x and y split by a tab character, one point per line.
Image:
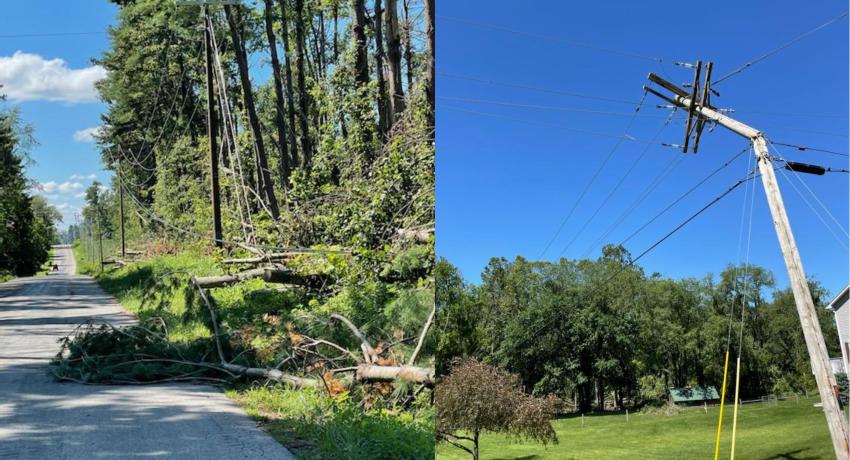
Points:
476	397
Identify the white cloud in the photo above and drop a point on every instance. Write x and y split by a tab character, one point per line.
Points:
27	76
52	188
83	177
87	135
80	195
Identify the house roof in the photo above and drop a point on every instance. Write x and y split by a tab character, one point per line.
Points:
840	300
693	394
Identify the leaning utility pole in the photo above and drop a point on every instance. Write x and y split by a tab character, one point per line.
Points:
700	108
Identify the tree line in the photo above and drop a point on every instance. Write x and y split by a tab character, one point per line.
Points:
29	222
604	333
324	112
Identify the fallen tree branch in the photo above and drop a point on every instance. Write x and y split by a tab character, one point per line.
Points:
272	374
224	280
422	336
369	352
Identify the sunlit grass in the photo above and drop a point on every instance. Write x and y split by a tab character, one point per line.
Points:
788	430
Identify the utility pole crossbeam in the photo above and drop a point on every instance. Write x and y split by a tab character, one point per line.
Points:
819	357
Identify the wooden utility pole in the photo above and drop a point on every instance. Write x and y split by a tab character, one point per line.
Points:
121	209
838	427
212	130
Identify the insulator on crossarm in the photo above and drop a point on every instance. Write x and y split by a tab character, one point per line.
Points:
675	146
686	65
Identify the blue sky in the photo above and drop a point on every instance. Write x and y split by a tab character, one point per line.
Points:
511	161
57	97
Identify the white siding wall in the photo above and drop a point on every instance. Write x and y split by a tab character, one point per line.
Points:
842	321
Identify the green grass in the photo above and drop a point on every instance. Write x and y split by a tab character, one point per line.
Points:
311	424
315	426
789	430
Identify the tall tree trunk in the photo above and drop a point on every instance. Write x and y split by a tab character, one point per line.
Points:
322	61
396	87
408	53
429	62
284	165
306	148
234	19
361	59
290	106
336	31
384	118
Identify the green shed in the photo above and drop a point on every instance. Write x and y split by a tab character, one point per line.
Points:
694	395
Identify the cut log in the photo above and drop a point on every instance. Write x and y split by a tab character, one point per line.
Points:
225	280
373	373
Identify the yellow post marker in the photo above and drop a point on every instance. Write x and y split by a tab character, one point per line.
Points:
722	403
735	412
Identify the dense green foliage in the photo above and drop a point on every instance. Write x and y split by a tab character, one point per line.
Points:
601	332
29	223
789	429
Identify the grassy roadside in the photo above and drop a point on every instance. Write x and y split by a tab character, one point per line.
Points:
790	429
312	424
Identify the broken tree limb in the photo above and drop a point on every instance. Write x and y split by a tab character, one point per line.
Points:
224	280
369	352
422	336
214	320
371	373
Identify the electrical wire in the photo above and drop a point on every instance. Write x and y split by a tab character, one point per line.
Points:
543	107
778	49
683	196
802	148
659	178
545	125
593	178
616	187
482	25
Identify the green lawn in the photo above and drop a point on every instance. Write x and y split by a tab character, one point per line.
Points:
789	430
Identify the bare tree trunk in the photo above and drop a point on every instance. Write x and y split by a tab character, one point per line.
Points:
384	118
408	53
361	60
290	107
396	88
284	168
429	61
234	19
306	147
